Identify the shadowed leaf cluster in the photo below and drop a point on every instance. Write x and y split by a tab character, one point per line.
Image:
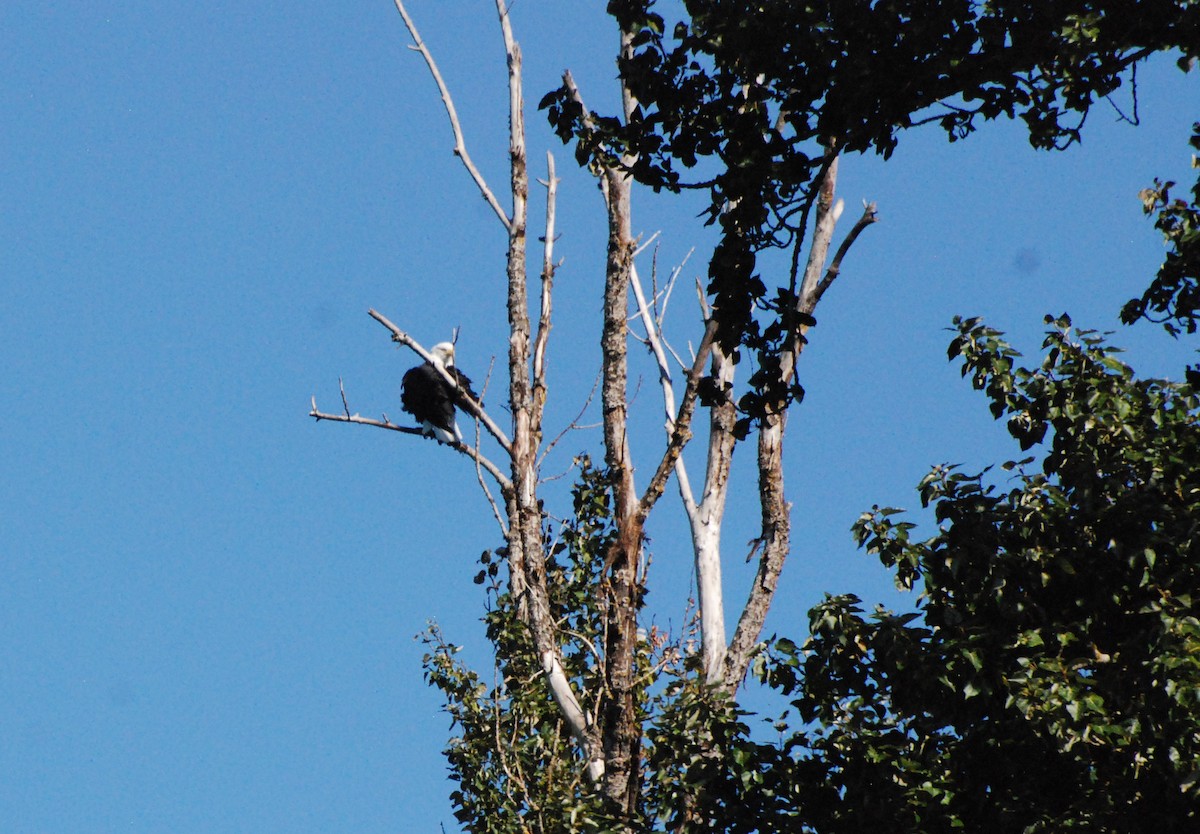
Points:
1173	298
751	101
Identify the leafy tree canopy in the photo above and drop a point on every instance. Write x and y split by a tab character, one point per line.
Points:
1173	298
1051	679
758	98
772	82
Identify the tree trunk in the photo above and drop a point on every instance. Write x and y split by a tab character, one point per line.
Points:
620	729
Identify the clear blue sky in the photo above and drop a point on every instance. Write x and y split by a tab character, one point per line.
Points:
207	601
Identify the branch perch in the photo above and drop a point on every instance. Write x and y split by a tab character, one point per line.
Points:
473	407
346	417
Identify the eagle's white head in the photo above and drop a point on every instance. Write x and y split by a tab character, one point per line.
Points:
443	354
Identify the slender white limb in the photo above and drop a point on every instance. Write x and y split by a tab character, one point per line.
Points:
572	713
460	144
828	213
707	521
544	318
704	518
664	378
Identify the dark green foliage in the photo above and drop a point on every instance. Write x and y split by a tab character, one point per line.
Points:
750	101
515	763
1049	679
764	85
1052	680
705	770
1173	299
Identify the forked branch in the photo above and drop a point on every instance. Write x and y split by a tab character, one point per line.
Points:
870	215
681	430
775	540
704	519
346	417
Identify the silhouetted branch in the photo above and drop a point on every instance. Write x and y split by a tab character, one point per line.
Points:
480	460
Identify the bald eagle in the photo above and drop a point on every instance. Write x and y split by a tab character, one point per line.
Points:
426	395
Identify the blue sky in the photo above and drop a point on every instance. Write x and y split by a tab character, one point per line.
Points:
208	602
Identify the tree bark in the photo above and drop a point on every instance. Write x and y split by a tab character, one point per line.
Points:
706	522
620	729
526	550
775	539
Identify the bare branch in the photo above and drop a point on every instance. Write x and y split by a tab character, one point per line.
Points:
480	460
775	540
544	322
569	82
460	144
705	309
870	215
681	431
319	415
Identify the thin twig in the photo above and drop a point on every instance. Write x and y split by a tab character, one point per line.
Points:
502	480
574	424
588	643
661	314
642	248
1134	120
